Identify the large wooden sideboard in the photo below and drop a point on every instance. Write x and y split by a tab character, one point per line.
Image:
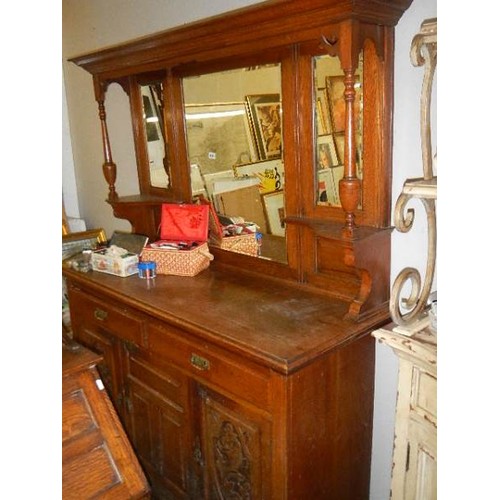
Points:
228	389
255	378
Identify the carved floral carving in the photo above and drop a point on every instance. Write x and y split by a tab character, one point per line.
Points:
232	463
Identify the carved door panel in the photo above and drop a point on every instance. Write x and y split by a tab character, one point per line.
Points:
157	422
235	448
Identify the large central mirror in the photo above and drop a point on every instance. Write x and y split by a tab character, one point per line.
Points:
235	148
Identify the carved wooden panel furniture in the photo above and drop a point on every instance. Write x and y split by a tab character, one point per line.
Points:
255	378
225	387
97	459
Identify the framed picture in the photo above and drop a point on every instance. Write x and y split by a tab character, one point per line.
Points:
326	152
335	92
275	212
271	174
328	186
74	243
323	125
264	115
210	179
219	136
339	141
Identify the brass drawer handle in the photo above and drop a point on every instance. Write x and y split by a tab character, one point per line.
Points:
199	362
100	315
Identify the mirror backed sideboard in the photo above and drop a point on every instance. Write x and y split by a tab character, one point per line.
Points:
279	113
197	96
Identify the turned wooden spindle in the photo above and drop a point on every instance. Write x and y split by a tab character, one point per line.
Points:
349	185
348	53
108	167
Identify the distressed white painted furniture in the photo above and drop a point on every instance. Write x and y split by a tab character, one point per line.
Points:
415	438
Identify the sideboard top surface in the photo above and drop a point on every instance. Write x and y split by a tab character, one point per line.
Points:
279	327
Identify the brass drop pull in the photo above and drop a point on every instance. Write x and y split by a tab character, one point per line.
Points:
100	315
130	346
199	362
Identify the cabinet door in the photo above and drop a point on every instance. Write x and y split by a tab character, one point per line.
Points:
105	328
109	348
421	464
157	422
235	448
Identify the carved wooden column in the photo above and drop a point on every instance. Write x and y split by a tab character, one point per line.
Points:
108	167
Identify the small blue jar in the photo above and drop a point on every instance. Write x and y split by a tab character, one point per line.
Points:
147	269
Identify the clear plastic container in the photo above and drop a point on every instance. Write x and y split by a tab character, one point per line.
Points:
147	269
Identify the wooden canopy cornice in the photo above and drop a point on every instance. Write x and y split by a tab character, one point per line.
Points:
278	21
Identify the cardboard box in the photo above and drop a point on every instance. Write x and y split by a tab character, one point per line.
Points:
123	266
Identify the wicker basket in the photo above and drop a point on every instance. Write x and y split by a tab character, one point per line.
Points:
243	243
179	262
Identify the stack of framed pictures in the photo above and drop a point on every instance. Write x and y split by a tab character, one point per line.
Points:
245	137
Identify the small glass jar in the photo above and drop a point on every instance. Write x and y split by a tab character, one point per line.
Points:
147	269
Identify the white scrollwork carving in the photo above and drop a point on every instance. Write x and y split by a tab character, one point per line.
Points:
407	309
416	302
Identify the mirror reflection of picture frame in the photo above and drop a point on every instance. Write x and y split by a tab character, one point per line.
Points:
210	179
322	115
219	136
339	141
328	186
326	152
275	212
198	186
339	144
271	174
264	115
74	243
335	89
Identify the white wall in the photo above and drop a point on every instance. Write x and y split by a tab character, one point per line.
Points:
94	24
70	194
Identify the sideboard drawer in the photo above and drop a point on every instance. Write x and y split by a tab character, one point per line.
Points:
92	311
210	365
